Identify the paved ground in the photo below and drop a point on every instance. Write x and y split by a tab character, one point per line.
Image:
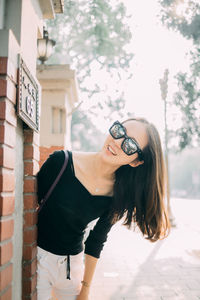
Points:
132	268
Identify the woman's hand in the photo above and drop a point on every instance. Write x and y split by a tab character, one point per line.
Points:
84	294
90	265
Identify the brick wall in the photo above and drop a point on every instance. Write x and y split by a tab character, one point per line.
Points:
31	167
8	123
45	152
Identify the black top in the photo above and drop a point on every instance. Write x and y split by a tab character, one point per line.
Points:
67	212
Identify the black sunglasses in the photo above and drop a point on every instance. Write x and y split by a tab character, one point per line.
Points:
129	145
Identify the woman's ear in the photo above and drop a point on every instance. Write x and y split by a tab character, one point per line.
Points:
136	163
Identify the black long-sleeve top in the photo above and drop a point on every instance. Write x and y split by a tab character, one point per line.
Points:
67	212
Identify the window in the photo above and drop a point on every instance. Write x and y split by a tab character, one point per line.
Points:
58	120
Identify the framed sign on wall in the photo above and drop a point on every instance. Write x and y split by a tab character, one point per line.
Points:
28	97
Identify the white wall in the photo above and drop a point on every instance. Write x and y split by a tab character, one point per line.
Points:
30	25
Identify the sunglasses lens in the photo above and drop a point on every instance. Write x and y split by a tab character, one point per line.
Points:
117	131
129	146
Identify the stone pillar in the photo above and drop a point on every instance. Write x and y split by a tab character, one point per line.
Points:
59	94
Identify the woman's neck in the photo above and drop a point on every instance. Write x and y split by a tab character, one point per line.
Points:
103	169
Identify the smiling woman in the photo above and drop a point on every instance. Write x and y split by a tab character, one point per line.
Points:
125	179
143	187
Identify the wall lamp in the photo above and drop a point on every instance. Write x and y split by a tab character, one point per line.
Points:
45	47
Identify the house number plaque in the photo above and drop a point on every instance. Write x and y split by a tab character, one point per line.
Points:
28	97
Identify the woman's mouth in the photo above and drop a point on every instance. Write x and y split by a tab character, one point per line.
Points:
111	150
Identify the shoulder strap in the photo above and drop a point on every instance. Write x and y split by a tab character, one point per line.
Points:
43	201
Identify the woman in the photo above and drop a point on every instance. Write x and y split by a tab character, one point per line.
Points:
125	179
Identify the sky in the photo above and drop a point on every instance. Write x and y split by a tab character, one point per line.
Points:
155	48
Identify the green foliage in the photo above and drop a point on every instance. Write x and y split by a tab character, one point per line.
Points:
92	35
91	31
188	101
184	17
111	108
195	65
85	137
85	133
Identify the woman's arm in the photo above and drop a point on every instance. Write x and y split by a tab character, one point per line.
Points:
90	265
93	246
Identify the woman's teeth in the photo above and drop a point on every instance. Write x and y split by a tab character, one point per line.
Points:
111	150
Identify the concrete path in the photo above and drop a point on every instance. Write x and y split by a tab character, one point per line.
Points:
132	268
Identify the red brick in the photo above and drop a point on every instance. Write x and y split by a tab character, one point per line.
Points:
7	112
7	134
6	229
28	151
7	157
8	89
29	251
7	295
31	168
7	205
31	152
2	110
6	253
29	285
7	180
29	269
1	155
30	235
31	137
7	68
3	87
6	277
30	201
29	185
3	65
30	219
45	152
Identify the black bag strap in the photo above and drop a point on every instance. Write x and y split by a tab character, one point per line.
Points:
43	201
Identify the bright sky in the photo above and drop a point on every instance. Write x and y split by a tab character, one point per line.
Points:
155	48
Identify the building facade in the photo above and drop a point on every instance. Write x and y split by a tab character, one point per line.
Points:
59	96
21	24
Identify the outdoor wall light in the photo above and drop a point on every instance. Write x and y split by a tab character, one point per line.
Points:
45	47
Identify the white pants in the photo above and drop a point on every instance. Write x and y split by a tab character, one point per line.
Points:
51	276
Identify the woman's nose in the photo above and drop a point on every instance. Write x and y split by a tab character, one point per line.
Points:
118	142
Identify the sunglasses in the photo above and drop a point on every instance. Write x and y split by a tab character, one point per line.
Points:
129	145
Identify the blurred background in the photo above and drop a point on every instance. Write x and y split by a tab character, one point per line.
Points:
136	58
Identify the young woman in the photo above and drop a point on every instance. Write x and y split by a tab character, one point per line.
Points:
126	179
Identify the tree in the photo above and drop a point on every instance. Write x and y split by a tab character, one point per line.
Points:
86	136
184	17
92	35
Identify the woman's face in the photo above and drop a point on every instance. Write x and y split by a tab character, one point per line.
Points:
112	152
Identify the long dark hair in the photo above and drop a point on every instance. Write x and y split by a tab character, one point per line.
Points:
139	191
